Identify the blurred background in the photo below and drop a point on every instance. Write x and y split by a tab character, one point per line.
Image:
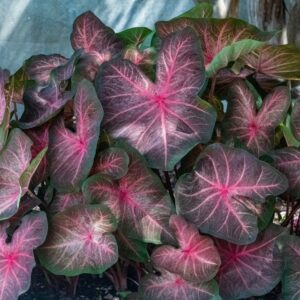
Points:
30	27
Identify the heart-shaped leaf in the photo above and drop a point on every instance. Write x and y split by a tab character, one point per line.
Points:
214	34
16	257
39	67
280	61
196	259
62	201
295	120
14	160
138	200
251	270
162	120
215	195
42	104
287	161
256	129
80	241
90	34
71	154
112	162
170	286
291	274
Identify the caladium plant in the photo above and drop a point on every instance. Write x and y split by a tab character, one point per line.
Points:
168	154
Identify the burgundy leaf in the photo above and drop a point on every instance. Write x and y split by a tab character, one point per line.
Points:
287	161
170	286
40	138
4	74
295	120
90	34
62	201
42	104
255	129
39	67
65	71
163	120
71	154
14	160
196	259
215	195
112	162
214	34
291	274
80	241
16	257
251	270
138	200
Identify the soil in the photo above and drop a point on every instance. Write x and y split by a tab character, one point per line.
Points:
89	287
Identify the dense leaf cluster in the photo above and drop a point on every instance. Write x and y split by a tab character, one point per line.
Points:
169	152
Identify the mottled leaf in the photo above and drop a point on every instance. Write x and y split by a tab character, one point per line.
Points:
170	286
251	270
201	10
4	74
231	53
132	249
71	153
112	162
163	120
291	273
42	104
16	257
287	161
40	138
215	195
196	259
133	36
28	174
16	85
80	241
280	61
256	129
14	160
295	120
138	200
214	34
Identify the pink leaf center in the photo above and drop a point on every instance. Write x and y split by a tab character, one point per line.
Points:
253	129
179	281
159	99
11	258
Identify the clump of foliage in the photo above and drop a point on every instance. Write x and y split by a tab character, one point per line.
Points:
169	153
